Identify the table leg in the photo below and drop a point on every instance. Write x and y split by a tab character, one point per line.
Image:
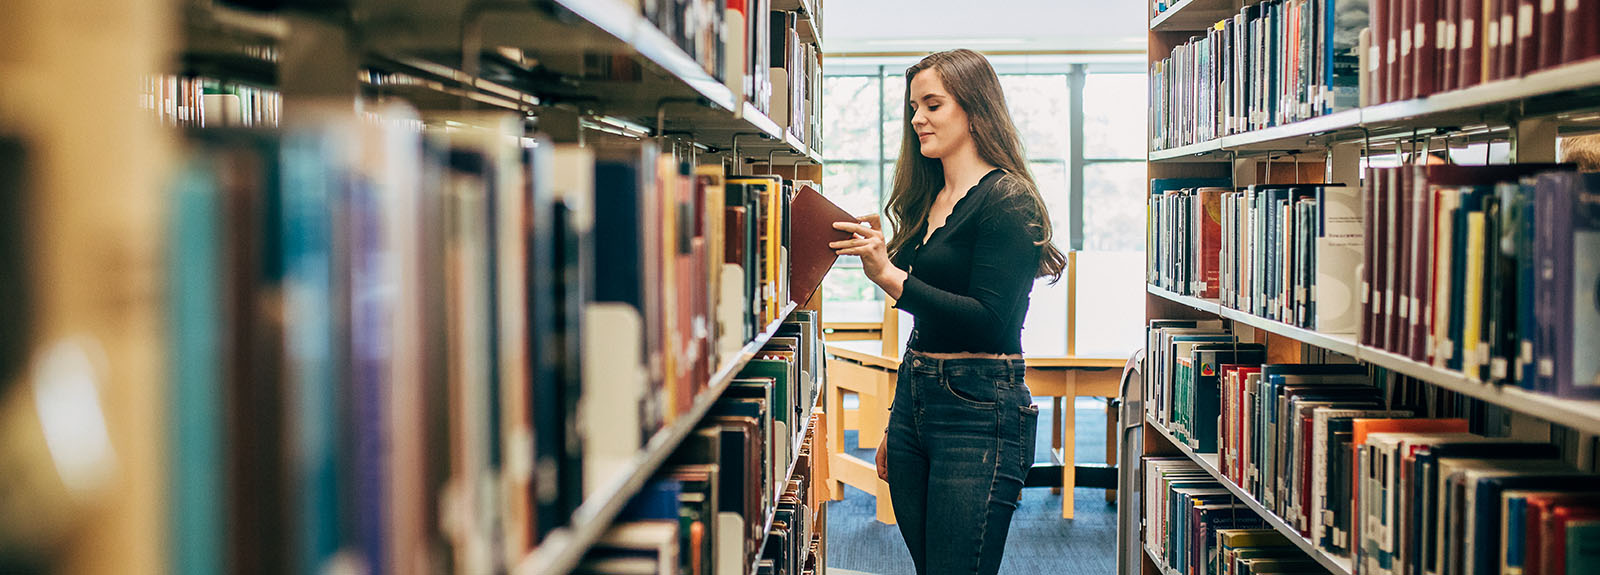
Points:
1069	422
835	439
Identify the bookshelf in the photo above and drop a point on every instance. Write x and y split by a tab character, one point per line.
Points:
107	306
1208	462
563	548
1528	111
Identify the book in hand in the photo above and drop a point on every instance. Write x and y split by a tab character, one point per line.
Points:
811	230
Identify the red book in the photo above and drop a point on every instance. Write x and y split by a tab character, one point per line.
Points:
1469	44
1369	250
1208	222
1405	240
1450	46
1378	54
1528	36
1422	265
1407	89
1582	21
1425	37
1554	539
1391	49
1552	24
1538	510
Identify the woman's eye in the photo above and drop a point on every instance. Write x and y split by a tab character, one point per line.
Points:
932	108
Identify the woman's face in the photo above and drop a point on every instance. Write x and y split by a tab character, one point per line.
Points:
940	123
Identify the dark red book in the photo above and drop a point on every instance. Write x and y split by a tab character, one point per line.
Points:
1391	49
1582	21
1422	265
1400	286
1450	46
1379	53
1369	243
1552	25
1425	49
1407	17
811	230
1528	37
1469	44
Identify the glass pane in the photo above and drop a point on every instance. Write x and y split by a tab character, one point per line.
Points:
848	296
853	186
1044	331
1110	303
1114	206
1114	116
1052	179
851	130
894	112
1039	107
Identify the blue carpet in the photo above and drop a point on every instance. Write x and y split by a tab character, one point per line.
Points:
1040	540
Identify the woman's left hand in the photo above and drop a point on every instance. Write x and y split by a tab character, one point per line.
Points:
869	245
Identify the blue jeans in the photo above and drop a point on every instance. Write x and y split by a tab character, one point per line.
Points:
961	441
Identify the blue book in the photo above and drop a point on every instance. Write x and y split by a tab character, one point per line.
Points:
194	295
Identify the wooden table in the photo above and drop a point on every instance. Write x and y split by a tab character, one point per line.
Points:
860	367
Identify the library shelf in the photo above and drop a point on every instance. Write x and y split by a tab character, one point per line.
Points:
564	547
1581	415
1572	88
1193	15
1161	567
809	32
772	510
1342	343
1541	93
1208	462
1190	153
623	22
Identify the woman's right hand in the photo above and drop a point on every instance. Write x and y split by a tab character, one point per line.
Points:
883	458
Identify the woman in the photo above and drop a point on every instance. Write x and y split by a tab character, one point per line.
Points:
972	234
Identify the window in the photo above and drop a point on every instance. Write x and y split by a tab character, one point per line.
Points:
1094	193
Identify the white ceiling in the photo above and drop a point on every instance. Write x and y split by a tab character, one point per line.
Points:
855	26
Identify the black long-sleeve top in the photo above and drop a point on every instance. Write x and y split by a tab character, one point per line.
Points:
968	284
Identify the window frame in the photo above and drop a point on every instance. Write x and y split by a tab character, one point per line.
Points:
1076	162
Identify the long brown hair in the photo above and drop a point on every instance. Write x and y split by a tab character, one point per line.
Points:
972	82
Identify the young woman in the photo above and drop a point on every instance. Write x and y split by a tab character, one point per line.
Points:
971	236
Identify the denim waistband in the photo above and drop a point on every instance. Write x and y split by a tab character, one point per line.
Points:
918	360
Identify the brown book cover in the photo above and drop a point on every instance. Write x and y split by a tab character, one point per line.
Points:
1425	51
1528	33
1450	45
811	231
1406	86
1582	21
1469	45
1552	25
1379	52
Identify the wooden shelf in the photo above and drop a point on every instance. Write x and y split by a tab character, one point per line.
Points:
1582	415
1193	15
1570	88
1208	462
564	547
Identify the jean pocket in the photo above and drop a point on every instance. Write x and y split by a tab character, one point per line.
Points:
975	388
1029	423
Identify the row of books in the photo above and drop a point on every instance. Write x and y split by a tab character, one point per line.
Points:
196	101
1266	249
1273	63
1359	461
429	347
796	78
706	511
1422	47
1203	529
1489	270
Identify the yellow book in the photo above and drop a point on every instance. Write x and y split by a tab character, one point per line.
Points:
1472	296
667	187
